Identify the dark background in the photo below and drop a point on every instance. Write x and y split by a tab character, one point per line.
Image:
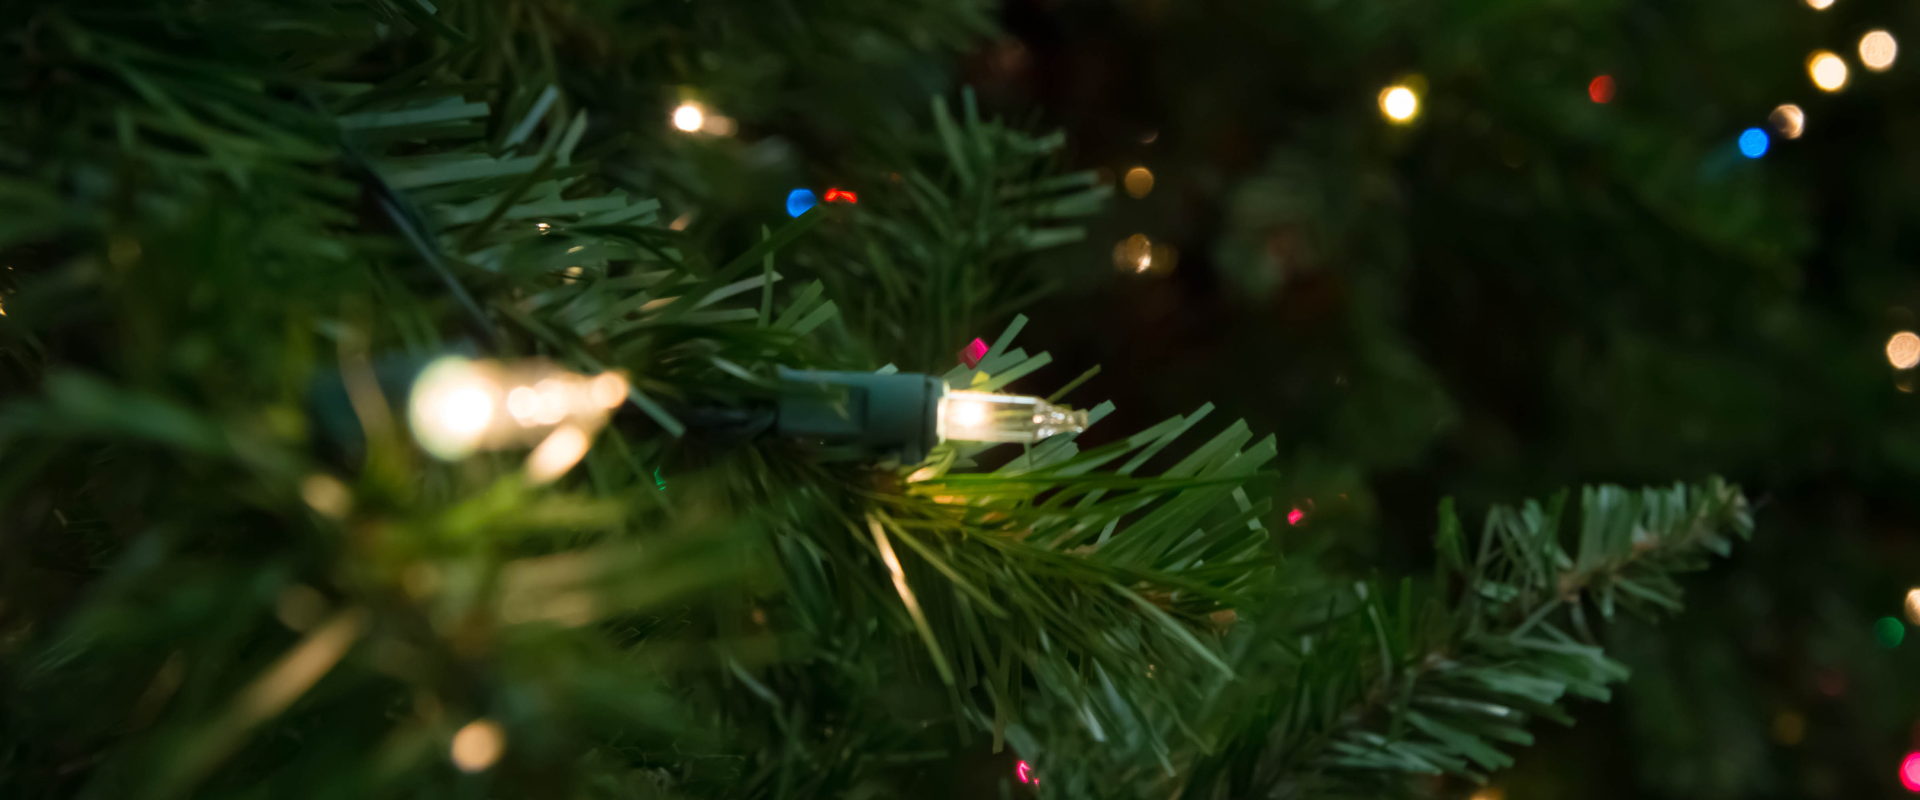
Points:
1524	289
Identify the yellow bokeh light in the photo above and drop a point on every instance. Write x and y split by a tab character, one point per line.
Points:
688	117
1490	793
478	745
1819	5
1789	120
1877	50
1913	605
1139	182
558	453
327	495
1399	103
1827	70
1789	728
1903	350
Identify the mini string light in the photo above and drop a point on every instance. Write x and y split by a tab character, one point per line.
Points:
1139	181
1399	104
1827	70
799	201
1910	772
1913	605
973	352
1295	516
1819	5
1024	772
1789	120
841	196
1903	350
1753	143
1601	89
1877	50
689	117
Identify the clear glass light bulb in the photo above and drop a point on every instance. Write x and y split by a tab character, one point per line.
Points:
989	417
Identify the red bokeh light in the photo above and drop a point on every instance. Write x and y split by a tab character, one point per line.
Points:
1909	772
1294	516
1601	89
1025	773
841	196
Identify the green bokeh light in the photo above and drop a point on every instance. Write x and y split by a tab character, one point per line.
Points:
1889	631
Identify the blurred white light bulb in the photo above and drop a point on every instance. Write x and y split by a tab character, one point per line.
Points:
609	390
451	407
688	117
558	453
1877	50
1399	103
1789	120
987	417
1827	70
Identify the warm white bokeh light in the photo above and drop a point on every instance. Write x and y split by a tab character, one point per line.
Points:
688	117
561	450
1903	350
609	390
1399	103
1913	605
1877	50
1139	181
452	404
1827	70
478	745
1819	5
1789	120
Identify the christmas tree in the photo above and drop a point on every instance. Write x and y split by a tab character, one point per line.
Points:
609	400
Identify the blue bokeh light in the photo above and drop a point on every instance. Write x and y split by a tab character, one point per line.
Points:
799	200
1753	143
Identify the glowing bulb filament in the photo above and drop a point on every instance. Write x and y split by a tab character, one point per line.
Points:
989	417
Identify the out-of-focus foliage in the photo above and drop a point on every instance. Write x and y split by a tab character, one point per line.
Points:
1524	289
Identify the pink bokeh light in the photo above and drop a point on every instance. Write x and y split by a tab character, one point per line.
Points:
1909	772
1025	773
1294	516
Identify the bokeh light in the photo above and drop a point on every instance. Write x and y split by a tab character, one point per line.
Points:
558	453
799	200
1789	728
1827	70
1910	772
451	407
1753	143
1139	181
1788	120
327	495
1903	350
1490	793
1600	90
1133	254
1024	772
1913	605
1294	516
1889	632
1399	103
1819	5
688	117
1877	50
478	745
